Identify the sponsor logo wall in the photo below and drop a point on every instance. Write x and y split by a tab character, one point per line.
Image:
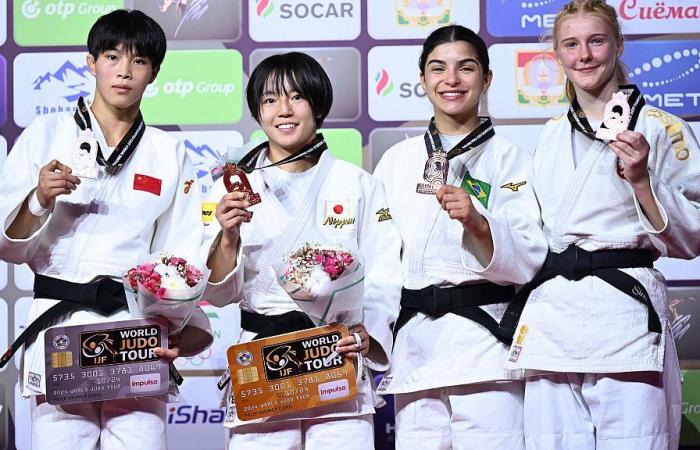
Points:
370	50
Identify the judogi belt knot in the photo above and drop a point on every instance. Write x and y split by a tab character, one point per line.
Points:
273	325
574	264
104	296
464	301
265	326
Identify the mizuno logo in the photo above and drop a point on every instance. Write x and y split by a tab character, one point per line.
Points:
514	186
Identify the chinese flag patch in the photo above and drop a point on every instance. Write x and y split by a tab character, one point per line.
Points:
147	183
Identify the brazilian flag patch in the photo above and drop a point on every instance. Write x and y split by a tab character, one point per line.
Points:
477	188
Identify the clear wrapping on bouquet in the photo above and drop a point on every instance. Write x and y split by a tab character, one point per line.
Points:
165	286
325	281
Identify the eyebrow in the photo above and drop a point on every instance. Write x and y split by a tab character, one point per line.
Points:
576	38
461	61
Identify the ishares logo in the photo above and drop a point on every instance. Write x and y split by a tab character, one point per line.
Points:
264	8
384	84
193	414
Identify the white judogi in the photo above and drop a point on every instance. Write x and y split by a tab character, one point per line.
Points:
102	228
588	326
452	350
286	198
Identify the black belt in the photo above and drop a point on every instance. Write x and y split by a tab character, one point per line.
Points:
268	326
104	296
464	301
575	263
265	326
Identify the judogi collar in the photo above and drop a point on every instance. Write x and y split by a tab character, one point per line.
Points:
478	136
578	119
126	147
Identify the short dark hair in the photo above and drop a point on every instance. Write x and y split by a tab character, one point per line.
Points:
298	71
454	33
134	31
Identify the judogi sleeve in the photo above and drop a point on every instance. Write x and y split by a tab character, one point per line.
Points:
674	163
229	289
20	175
380	244
179	230
519	244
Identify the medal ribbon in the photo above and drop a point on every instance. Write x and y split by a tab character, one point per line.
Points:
478	136
315	147
126	147
578	119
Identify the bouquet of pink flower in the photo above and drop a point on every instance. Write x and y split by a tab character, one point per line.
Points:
316	276
166	286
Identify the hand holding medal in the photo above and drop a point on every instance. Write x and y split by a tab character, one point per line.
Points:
85	155
236	180
437	166
434	174
616	117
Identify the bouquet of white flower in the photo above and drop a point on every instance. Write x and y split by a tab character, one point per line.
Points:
165	286
324	281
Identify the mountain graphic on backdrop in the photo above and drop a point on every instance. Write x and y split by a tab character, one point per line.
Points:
200	150
71	80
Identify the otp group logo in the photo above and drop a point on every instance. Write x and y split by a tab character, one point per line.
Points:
384	84
667	73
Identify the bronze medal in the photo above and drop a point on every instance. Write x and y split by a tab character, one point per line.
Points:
236	180
434	174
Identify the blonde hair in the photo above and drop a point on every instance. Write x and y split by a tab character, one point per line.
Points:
607	15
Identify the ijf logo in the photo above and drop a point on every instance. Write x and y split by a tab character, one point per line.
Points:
415	19
536	89
319	20
654	16
47	83
395	92
521	17
667	73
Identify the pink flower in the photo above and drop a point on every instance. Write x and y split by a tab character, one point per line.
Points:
145	274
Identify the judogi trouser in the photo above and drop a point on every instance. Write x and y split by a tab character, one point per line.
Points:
344	433
128	424
482	416
614	411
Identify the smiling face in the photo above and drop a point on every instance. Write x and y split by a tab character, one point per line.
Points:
454	82
287	119
121	78
588	51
